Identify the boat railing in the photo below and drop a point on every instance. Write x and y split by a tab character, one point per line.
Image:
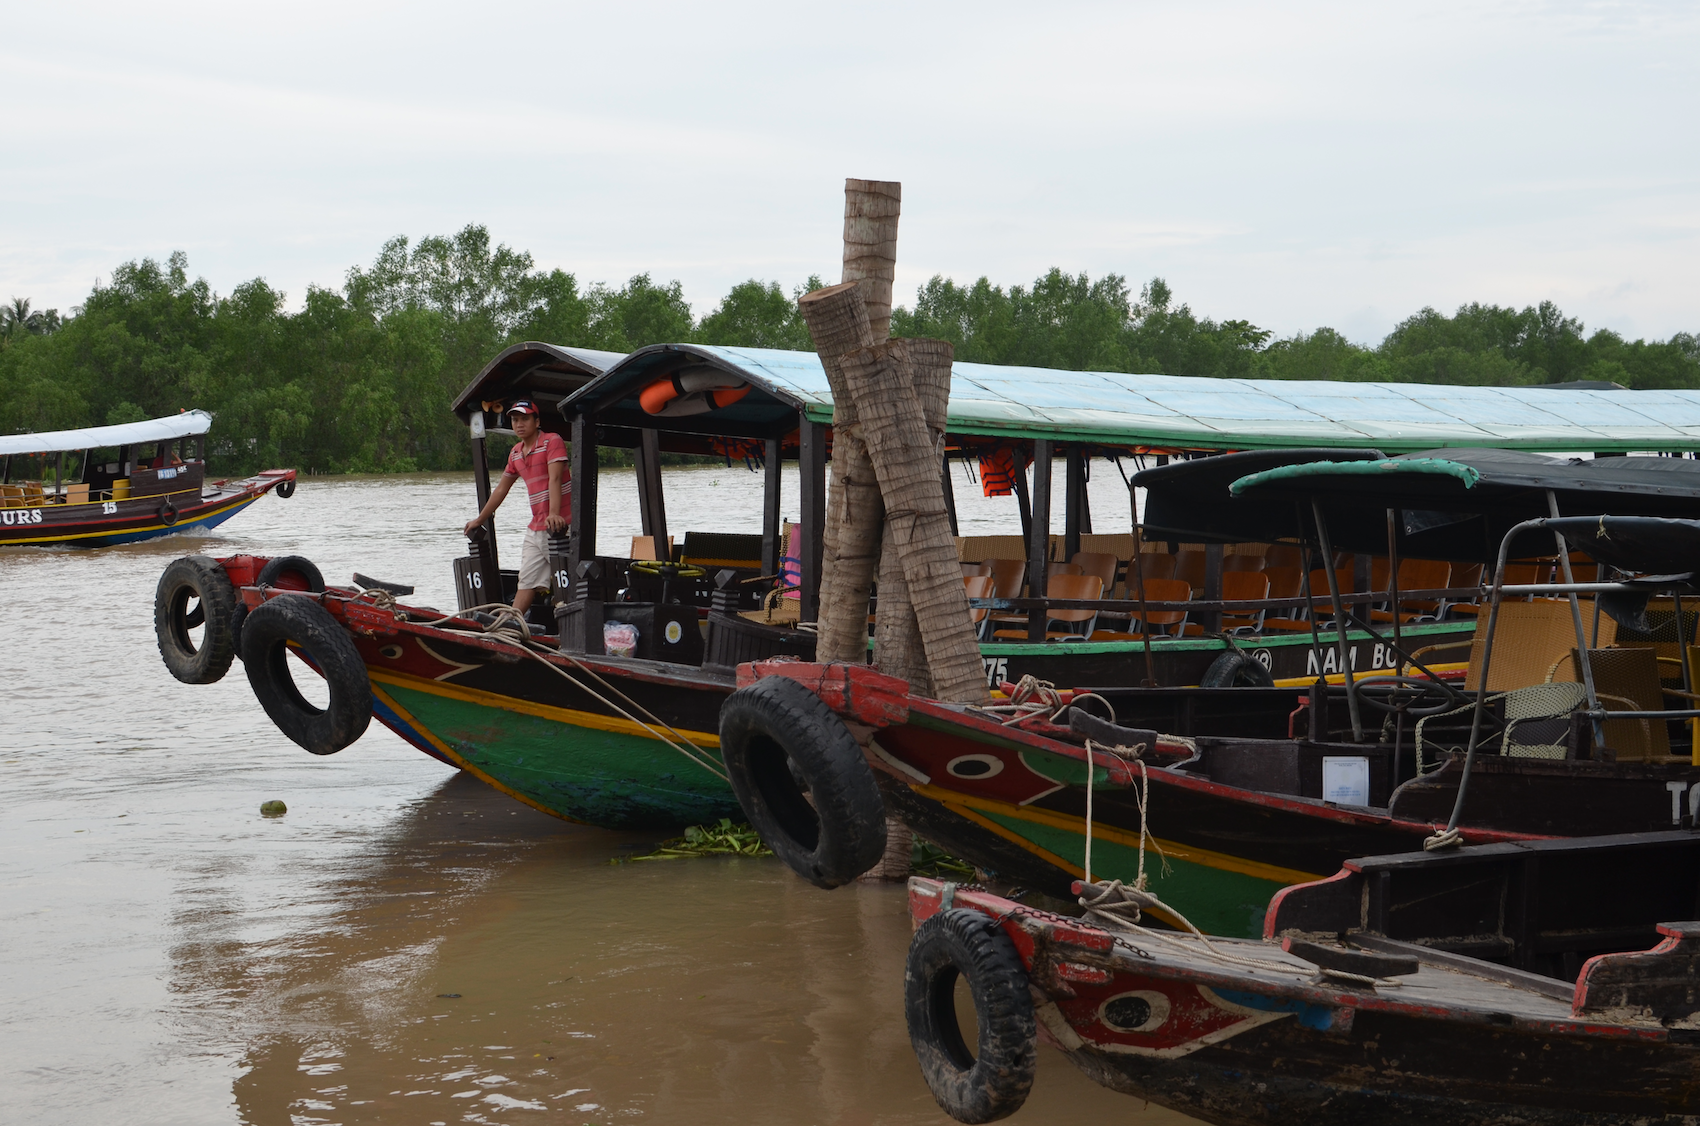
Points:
1229	605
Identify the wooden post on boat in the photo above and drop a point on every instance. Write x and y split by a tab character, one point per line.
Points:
837	317
905	453
898	645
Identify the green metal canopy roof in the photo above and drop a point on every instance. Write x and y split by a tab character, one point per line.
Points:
1113	408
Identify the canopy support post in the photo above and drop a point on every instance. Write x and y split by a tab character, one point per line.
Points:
1039	536
1213	586
949	493
1340	621
1024	502
652	504
811	458
1074	500
771	548
583	522
1586	672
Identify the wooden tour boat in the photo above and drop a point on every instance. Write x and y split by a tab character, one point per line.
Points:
1248	789
1541	983
715	601
134	481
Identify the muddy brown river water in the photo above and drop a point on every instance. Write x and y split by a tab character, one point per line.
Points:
405	945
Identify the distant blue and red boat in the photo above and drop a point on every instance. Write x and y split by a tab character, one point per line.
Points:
126	483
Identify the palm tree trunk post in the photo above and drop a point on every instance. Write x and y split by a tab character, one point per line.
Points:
894	383
837	317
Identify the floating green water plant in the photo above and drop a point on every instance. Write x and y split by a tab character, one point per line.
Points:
724	839
929	859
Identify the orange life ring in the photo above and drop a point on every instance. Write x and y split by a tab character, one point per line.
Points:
692	392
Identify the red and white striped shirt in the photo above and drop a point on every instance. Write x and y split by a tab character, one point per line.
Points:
533	467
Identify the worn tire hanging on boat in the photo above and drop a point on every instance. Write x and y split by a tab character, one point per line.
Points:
285	489
267	634
802	780
992	1081
168	513
1235	669
200	579
291	572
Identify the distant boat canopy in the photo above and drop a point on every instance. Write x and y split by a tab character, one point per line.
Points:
184	425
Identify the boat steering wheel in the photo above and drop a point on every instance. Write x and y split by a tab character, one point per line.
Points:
1439	695
667	570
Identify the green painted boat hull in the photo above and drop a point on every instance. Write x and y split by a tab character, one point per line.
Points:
607	778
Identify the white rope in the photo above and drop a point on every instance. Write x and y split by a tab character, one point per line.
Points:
1112	902
510	626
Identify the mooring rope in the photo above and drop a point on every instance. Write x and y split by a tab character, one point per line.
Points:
1032	696
1113	902
509	625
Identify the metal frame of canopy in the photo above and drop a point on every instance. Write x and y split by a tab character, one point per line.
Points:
1585	527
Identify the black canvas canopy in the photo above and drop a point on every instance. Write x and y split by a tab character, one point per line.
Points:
1452	503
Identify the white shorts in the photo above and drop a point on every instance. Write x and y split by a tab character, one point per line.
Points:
534	561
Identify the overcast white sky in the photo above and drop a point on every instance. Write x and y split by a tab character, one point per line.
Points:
1295	164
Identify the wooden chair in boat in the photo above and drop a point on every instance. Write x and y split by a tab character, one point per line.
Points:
1516	574
1419	574
1159	623
643	548
1284	555
1098	563
978	586
76	494
33	496
1009	576
1106	567
1243	560
1052	570
1078	623
1244	586
1285	582
976	569
11	496
1154	565
1189	568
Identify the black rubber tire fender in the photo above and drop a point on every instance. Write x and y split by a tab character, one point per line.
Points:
168	513
291	572
1235	669
267	633
200	579
802	780
285	489
993	1081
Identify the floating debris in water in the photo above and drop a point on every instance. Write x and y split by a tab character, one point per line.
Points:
448	994
724	839
273	808
929	859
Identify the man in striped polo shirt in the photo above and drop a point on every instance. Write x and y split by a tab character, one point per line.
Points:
540	459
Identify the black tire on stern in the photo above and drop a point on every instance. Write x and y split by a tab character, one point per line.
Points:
802	781
267	633
291	572
200	579
1234	669
994	1081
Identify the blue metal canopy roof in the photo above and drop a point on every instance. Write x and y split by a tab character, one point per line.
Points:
1203	413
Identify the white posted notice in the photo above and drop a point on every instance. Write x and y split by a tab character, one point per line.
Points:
1345	779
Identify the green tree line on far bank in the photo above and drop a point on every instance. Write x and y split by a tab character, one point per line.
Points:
359	378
